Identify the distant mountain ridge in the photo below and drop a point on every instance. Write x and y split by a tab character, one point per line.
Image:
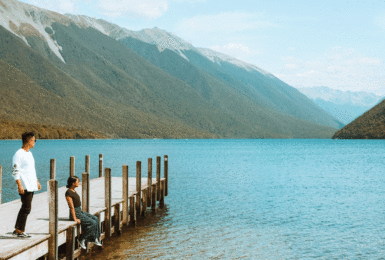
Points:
343	105
97	76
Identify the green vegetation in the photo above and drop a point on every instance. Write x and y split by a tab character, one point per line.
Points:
107	89
371	125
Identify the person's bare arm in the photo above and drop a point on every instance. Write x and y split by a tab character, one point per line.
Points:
20	187
72	209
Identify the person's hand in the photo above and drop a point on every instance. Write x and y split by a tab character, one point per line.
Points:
38	186
77	221
20	189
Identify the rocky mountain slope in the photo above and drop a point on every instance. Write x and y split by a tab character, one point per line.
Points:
83	73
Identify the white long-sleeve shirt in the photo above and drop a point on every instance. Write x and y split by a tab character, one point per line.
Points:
24	169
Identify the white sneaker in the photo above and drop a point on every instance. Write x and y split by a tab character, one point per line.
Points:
83	243
96	242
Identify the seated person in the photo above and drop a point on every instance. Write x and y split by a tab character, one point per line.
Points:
89	223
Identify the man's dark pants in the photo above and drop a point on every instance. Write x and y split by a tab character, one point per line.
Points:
26	201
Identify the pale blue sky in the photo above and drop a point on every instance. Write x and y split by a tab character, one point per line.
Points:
339	44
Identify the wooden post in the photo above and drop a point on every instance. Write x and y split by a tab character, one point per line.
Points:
53	220
125	194
117	217
138	187
144	201
70	243
100	165
52	169
166	174
132	211
1	177
107	189
154	196
149	182
158	177
162	189
86	192
72	166
87	169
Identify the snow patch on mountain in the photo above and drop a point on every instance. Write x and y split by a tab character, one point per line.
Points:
218	58
25	20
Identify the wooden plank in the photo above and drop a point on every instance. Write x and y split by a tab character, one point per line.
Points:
138	187
158	177
72	166
52	169
86	192
132	211
70	243
166	174
162	191
87	164
154	196
144	201
149	182
100	165
125	194
53	220
107	189
117	218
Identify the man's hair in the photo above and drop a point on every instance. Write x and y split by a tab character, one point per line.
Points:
27	136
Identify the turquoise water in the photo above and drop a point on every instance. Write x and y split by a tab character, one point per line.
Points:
241	199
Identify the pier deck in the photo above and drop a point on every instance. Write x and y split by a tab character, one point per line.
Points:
38	220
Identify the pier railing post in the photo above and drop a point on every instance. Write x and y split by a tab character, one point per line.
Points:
125	194
166	174
1	177
72	166
52	170
70	243
107	189
138	187
158	177
132	211
87	168
53	220
162	189
149	182
86	192
100	165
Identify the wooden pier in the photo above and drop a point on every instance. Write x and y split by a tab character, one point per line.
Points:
116	201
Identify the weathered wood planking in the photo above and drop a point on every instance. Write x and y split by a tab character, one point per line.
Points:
38	220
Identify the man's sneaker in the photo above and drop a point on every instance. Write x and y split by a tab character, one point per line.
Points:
97	242
83	243
22	234
14	233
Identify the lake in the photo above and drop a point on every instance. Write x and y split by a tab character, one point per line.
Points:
239	199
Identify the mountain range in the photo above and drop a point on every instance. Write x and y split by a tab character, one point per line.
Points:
343	105
85	73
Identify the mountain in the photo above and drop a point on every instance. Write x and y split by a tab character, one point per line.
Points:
343	105
370	125
79	72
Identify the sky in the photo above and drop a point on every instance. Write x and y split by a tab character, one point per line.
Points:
337	44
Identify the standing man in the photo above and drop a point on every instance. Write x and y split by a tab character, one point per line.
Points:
24	173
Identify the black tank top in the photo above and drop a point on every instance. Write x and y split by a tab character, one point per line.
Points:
75	198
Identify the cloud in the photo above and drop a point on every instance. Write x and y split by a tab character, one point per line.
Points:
236	50
143	9
148	9
223	23
338	67
59	6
